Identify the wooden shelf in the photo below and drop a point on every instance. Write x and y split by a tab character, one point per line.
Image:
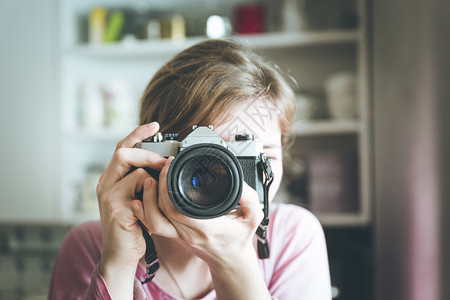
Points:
170	47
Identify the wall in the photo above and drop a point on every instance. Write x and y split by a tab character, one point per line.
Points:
27	112
411	168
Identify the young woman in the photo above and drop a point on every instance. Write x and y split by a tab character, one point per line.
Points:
216	83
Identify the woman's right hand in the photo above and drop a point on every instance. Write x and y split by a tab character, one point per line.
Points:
122	240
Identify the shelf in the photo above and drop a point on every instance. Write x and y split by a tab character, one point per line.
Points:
328	127
171	47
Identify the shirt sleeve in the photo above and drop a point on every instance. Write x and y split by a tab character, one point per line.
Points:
298	268
76	273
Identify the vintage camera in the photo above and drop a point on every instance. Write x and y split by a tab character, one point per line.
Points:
206	177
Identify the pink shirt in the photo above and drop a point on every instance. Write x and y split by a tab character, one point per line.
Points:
297	268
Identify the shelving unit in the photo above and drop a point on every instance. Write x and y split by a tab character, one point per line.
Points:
308	56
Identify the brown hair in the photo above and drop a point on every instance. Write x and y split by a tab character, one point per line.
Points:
202	82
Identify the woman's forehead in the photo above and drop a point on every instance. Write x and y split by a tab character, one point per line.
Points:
258	117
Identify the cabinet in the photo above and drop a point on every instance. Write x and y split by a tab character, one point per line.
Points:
309	56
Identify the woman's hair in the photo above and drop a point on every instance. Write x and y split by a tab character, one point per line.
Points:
202	82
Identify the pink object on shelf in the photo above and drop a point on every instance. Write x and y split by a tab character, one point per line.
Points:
249	18
332	182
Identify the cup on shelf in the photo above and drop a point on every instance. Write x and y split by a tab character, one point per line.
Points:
121	109
249	18
89	194
91	106
97	25
292	15
153	29
173	27
340	89
310	106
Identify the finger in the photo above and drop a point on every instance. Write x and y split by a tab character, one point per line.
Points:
138	135
149	213
137	207
250	206
165	170
133	183
126	158
163	200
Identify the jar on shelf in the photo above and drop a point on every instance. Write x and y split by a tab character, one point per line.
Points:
292	15
310	106
89	186
91	106
120	105
250	18
97	25
340	89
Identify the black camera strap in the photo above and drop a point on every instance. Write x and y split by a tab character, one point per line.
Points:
151	257
261	232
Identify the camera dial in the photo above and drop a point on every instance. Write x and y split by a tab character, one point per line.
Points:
244	137
170	136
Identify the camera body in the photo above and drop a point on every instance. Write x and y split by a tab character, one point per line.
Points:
205	179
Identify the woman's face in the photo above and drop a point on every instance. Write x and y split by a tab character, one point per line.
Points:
260	118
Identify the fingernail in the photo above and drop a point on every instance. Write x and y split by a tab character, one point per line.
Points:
163	162
136	206
169	160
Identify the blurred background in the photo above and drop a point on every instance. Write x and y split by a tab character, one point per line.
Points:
370	142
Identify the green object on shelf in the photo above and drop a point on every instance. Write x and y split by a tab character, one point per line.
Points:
114	26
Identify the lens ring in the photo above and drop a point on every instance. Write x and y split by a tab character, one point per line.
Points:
234	172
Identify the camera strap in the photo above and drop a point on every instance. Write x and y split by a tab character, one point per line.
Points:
151	257
261	232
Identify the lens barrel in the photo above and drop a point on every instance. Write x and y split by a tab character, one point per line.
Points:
205	181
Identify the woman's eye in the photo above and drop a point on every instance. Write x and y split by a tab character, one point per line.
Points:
272	157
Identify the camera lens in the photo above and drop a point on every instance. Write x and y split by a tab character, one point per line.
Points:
205	181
